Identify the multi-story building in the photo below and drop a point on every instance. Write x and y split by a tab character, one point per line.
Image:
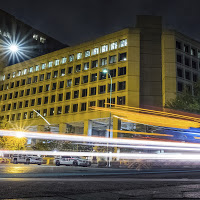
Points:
148	66
33	42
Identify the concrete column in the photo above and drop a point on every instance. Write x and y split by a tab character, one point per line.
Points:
116	126
88	128
62	128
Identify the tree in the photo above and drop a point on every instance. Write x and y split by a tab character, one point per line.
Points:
186	101
50	145
11	143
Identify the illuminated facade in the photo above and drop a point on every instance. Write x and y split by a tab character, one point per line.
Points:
64	84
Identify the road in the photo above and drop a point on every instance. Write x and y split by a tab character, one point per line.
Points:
67	182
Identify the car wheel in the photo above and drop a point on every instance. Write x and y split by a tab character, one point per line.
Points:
15	161
57	163
27	161
75	163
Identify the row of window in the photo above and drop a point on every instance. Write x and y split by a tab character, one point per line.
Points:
95	51
188	49
76	81
76	93
181	73
65	109
186	61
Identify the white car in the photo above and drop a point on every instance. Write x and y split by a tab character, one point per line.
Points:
26	159
69	160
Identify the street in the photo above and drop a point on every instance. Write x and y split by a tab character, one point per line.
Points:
68	182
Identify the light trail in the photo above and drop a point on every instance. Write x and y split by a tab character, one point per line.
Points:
139	133
171	156
78	138
143	147
153	119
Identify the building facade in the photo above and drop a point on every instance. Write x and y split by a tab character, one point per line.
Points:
148	66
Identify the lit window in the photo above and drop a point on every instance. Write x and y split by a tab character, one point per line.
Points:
57	62
59	110
78	68
104	48
44	112
43	66
95	51
121	100
79	56
14	73
51	111
71	58
87	53
67	109
25	71
19	73
64	60
94	63
112	59
123	43
31	69
35	36
42	40
113	45
69	83
50	64
37	68
62	72
103	61
86	66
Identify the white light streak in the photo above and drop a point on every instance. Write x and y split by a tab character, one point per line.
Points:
160	156
76	138
144	147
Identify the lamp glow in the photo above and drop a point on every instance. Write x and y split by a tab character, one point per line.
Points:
14	48
105	71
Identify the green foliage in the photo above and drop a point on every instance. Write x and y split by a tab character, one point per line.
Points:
50	145
12	143
186	101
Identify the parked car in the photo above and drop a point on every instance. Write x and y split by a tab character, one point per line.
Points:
26	159
69	160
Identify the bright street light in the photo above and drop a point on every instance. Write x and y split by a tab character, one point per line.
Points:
14	48
105	71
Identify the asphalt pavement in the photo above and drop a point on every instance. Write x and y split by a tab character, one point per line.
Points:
68	182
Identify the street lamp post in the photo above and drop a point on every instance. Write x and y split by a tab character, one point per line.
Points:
109	133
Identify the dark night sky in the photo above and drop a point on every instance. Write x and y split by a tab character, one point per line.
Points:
75	21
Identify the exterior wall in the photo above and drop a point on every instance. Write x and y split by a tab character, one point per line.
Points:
150	60
169	66
134	68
